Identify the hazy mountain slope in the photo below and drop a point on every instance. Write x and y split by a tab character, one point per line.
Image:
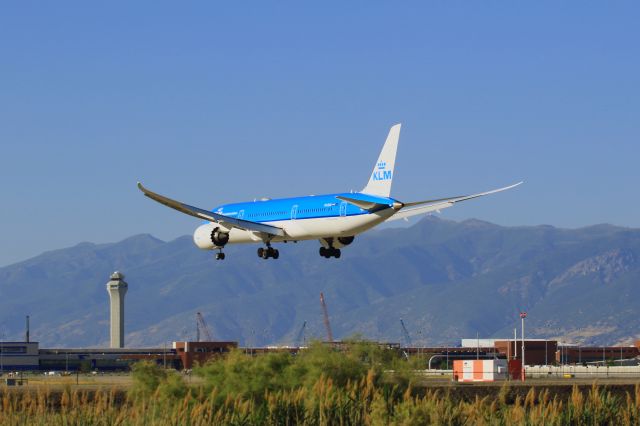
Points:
445	279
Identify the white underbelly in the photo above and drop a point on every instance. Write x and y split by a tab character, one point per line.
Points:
313	229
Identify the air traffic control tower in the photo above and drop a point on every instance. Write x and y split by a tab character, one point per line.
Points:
117	288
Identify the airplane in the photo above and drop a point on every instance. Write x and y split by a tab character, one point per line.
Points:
333	219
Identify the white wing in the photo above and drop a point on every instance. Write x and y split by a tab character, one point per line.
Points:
442	203
211	216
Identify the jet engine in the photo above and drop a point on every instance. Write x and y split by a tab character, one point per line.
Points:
211	236
219	238
345	241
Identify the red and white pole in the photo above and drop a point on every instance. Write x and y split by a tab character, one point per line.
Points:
523	315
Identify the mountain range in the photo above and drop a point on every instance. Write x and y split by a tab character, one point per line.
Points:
447	280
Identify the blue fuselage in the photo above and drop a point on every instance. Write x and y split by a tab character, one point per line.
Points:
299	208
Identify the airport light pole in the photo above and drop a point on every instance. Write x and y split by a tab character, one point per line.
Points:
523	315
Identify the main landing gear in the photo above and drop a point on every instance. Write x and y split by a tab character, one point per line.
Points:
330	252
268	252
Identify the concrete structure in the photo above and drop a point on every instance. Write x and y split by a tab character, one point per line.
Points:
584	372
117	288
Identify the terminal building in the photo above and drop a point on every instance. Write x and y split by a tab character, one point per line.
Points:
19	356
27	356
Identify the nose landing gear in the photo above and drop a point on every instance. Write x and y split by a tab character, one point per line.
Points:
220	255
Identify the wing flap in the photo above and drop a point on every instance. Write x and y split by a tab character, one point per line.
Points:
211	216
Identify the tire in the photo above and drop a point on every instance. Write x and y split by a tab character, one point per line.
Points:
323	252
276	254
261	252
222	256
337	254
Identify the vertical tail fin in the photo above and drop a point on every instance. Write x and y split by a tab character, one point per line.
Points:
382	175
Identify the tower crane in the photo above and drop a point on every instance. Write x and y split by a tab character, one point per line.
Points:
300	336
325	314
202	328
407	338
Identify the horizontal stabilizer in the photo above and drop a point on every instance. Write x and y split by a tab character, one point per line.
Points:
363	204
211	216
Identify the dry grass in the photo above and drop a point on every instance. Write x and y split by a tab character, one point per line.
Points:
361	402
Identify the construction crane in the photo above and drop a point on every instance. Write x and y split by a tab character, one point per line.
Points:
327	325
300	336
407	338
202	328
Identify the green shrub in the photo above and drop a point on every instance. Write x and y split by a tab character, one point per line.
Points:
252	376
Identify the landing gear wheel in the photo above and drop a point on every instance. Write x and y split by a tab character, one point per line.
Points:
220	256
330	252
275	254
261	252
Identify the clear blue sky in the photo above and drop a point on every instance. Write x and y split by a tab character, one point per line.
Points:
213	102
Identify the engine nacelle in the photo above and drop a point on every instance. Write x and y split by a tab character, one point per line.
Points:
345	241
210	236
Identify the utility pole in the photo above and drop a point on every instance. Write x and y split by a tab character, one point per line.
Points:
523	315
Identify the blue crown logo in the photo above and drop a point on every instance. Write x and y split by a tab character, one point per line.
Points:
382	165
